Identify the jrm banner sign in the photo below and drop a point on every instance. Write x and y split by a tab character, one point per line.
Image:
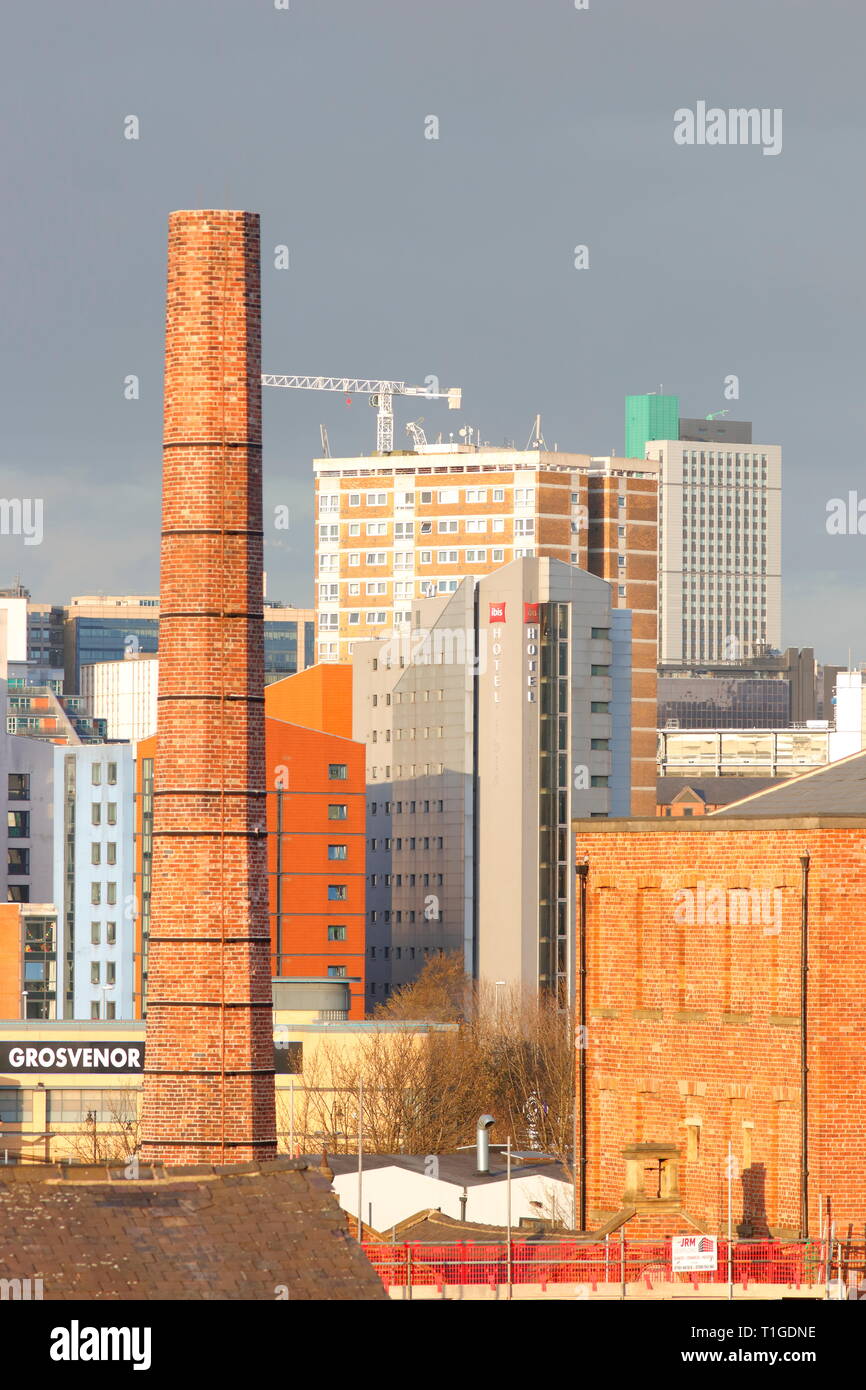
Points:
691	1254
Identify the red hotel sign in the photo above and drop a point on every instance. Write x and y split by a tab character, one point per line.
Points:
497	613
532	612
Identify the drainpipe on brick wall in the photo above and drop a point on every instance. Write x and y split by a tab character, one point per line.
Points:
581	1041
804	1038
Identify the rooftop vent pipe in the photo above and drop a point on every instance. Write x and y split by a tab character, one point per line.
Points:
482	1139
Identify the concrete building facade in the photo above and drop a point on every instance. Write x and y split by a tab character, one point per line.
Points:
123	693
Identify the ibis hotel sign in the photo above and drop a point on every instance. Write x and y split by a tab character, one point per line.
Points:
531	634
100	1058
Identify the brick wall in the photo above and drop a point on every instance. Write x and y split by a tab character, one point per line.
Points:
209	1089
694	989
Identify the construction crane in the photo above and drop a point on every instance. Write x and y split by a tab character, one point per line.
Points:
381	395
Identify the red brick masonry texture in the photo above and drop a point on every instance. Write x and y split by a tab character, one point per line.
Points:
694	990
208	1084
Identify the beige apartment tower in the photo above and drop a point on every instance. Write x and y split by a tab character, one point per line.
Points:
393	529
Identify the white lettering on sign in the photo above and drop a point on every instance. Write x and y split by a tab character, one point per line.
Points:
531	665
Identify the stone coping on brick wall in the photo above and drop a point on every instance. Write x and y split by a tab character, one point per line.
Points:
707	825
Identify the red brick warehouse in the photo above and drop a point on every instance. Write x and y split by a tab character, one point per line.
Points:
705	1030
208	1092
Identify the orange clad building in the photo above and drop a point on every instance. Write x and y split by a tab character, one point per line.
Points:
315	824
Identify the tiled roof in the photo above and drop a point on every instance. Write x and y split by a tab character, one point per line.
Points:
837	789
237	1232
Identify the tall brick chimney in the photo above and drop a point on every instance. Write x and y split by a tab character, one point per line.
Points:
209	1073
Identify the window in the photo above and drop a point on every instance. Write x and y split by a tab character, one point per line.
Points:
19	861
94	972
339	851
498	556
110	972
94	933
96	894
354	557
354	499
95	814
449	495
16	1105
94	1010
375	557
426	497
111	893
110	1009
354	528
336	933
447	557
72	1105
377	528
336	972
476	494
477	524
599	707
18	824
111	852
95	854
338	772
95	774
499	494
337	892
19	786
446	526
112	813
111	933
337	812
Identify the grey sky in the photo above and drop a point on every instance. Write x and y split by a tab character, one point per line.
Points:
454	257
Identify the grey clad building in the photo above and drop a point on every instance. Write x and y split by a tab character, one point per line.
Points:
501	715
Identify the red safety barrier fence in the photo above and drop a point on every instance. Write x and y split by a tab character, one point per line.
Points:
573	1262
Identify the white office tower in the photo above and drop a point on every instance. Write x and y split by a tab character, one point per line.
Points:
720	523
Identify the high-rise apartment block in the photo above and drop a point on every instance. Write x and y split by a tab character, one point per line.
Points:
502	712
391	530
720	532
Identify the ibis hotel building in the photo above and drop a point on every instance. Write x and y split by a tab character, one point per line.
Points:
500	715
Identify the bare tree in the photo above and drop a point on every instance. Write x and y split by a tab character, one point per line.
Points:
118	1142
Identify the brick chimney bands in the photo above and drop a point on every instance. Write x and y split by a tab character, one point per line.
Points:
209	1082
